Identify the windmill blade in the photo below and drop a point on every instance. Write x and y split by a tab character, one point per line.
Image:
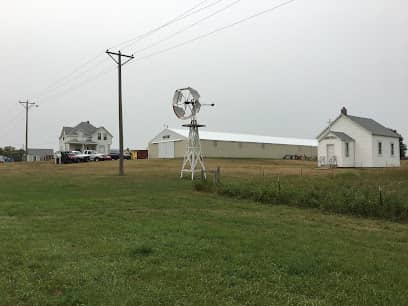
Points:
179	111
194	93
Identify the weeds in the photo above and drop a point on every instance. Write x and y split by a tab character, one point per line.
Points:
368	195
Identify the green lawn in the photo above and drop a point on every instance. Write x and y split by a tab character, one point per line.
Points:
80	235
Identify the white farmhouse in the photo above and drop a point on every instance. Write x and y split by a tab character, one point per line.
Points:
85	136
351	141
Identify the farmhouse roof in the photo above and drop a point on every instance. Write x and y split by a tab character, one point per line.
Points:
343	136
221	136
373	126
87	128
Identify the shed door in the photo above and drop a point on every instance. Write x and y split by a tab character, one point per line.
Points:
330	151
166	149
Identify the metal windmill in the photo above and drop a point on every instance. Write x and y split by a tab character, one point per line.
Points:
186	105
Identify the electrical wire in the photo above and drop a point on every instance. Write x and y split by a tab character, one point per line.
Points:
61	81
187	27
199	37
220	29
195	10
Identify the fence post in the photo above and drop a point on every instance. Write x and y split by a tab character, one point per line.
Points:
381	196
217	174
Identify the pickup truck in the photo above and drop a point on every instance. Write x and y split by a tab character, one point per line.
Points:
82	156
93	155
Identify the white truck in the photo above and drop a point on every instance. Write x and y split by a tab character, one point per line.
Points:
83	157
93	155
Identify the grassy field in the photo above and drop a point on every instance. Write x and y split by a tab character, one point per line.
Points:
81	235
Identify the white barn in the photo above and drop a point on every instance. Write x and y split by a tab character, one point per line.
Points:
171	143
351	141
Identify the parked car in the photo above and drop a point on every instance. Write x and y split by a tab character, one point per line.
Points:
82	156
5	159
107	157
67	157
94	156
115	155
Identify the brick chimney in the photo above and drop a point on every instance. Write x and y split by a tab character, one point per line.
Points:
344	111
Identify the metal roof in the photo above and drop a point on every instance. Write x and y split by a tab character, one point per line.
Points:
373	126
343	136
221	136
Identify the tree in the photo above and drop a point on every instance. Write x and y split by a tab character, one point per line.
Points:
402	145
15	154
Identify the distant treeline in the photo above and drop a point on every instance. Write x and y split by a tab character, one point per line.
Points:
15	154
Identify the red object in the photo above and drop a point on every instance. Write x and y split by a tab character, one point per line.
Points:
142	154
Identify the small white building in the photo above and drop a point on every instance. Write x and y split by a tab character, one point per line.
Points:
85	136
351	141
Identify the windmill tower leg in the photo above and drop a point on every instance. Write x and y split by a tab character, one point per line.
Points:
193	159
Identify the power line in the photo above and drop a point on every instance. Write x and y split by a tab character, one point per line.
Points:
60	81
223	28
187	27
190	12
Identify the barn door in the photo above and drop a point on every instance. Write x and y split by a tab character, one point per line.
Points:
166	149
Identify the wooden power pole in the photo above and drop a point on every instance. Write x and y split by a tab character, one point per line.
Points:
119	62
27	105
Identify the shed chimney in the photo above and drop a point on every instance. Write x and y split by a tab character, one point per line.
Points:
344	111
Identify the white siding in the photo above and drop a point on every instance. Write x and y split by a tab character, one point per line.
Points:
385	159
362	138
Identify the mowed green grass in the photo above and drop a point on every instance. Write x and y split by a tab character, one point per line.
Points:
81	235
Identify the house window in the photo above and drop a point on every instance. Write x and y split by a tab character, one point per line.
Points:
380	148
99	136
392	149
347	149
105	137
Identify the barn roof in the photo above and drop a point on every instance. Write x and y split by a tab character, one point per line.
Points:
221	136
373	126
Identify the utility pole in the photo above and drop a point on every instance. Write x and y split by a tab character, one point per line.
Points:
27	105
118	61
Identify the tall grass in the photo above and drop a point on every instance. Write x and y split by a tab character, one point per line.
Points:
380	195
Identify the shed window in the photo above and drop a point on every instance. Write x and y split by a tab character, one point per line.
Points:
380	148
347	149
263	146
215	143
392	149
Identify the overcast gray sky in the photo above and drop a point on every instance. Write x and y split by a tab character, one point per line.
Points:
285	73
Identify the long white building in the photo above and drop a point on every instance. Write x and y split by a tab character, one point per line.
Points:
171	143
